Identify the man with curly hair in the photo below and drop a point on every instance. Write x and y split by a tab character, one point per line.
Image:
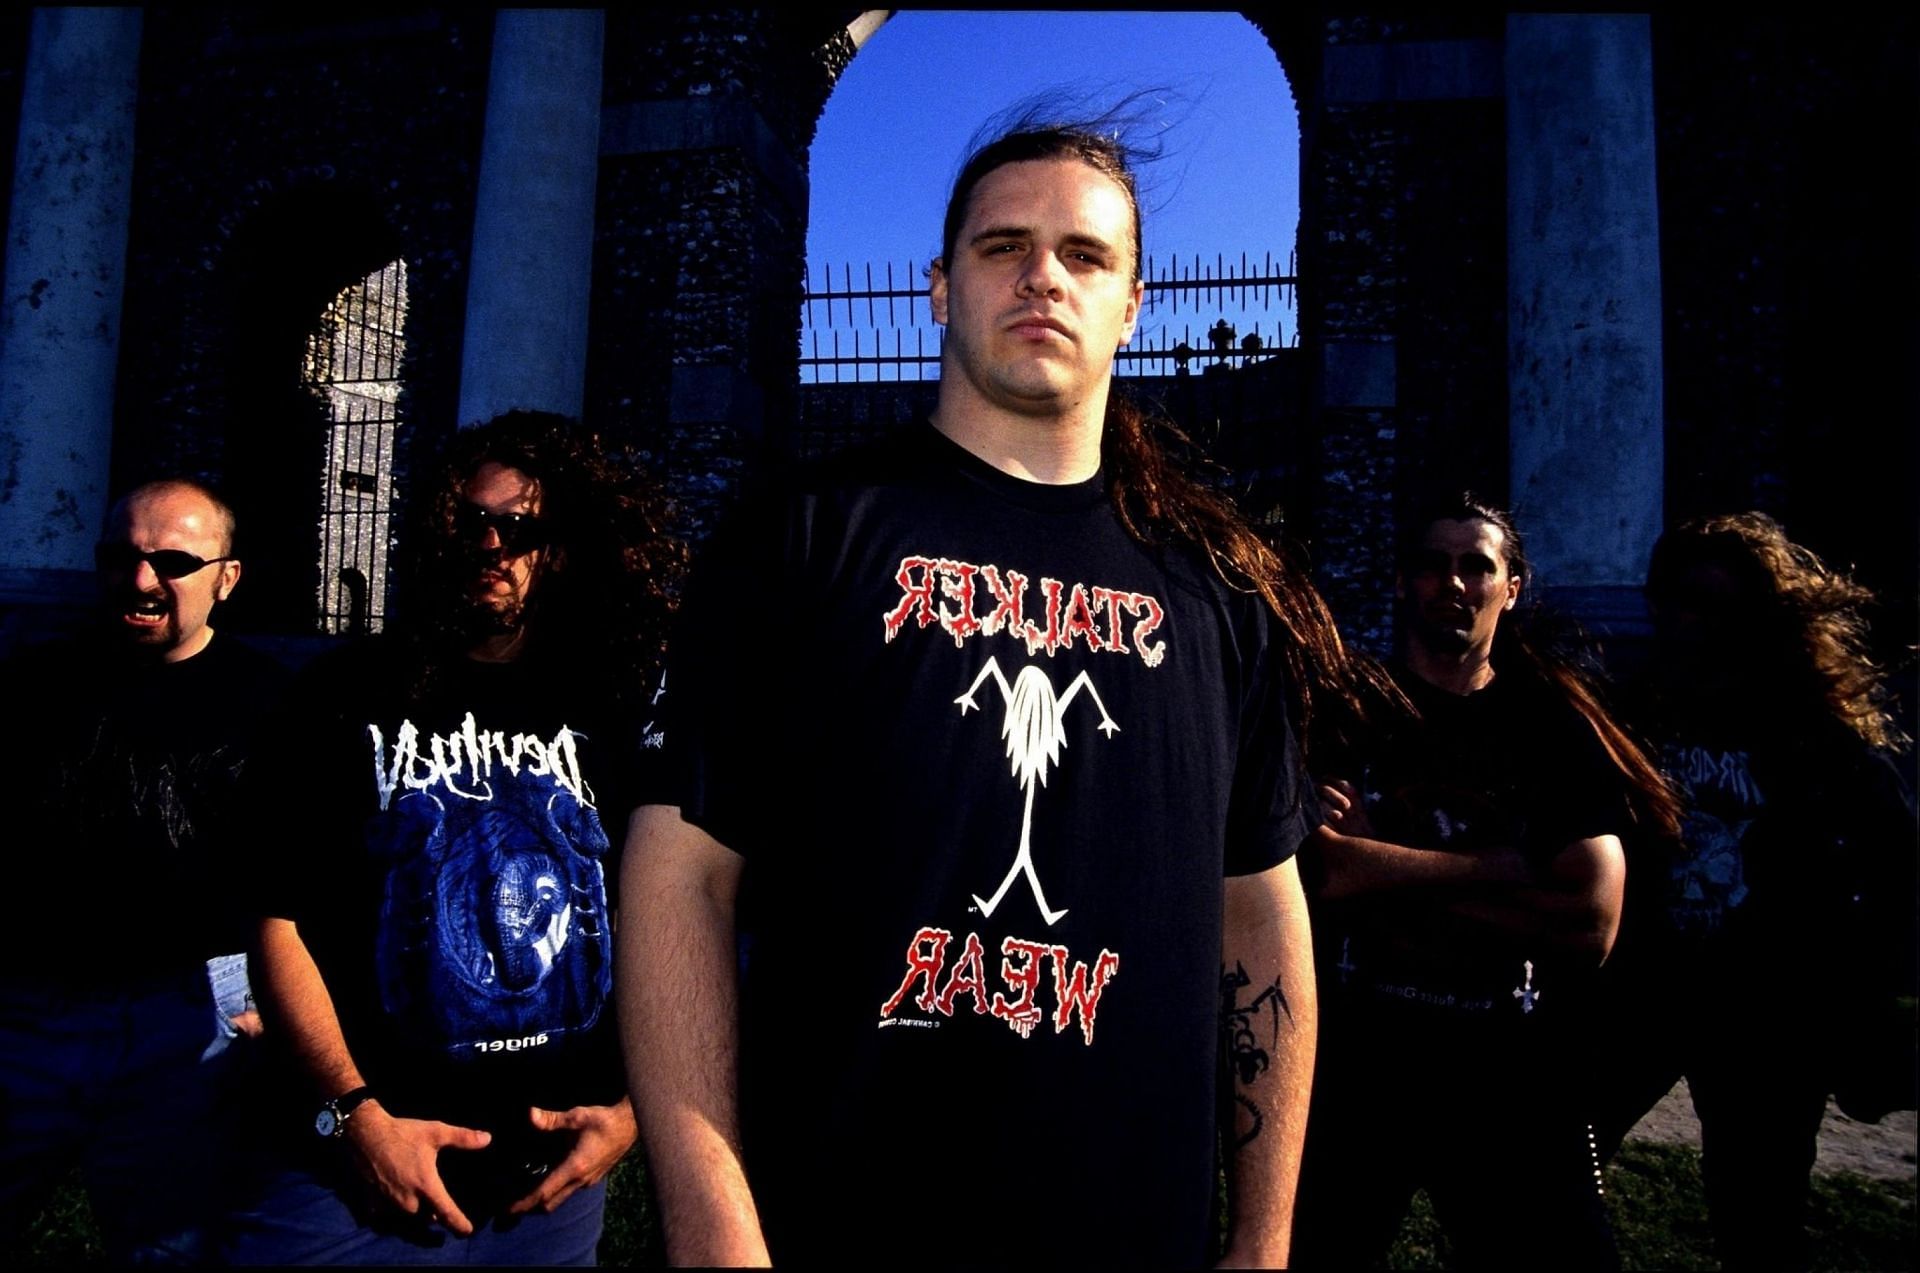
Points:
438	948
1765	960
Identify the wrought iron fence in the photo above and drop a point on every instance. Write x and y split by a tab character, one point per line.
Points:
877	326
353	358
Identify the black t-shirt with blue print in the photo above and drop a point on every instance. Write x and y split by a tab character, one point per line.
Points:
450	864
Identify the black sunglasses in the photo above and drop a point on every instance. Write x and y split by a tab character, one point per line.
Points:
168	563
519	533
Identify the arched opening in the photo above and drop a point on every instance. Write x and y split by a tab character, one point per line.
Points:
1217	343
353	362
312	279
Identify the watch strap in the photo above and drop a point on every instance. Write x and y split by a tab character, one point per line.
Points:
347	1102
343	1106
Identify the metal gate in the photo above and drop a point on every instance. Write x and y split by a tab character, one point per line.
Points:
353	359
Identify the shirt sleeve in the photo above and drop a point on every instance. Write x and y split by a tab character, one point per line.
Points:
232	845
720	699
1271	808
294	795
1581	792
279	843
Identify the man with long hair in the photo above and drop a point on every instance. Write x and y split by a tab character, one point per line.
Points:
1468	883
438	954
1765	957
983	739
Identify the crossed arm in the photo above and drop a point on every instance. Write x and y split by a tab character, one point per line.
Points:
399	1157
1572	902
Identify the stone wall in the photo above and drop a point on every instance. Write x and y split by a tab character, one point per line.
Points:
1403	286
13	55
277	161
1786	154
280	157
702	238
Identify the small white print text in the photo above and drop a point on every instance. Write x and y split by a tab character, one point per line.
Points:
510	1045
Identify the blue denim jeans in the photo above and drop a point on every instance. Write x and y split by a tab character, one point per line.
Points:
304	1217
115	1081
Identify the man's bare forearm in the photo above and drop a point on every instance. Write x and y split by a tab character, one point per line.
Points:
298	1007
1573	906
1267	995
1356	865
677	984
398	1156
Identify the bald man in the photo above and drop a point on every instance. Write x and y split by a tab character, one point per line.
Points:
119	765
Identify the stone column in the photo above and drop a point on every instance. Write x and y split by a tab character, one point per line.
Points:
1583	306
703	172
66	257
531	269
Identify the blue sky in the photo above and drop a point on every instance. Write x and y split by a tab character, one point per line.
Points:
895	128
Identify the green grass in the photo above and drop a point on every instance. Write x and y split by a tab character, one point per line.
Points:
1657	1205
1653	1196
631	1238
1658	1208
1858	1223
62	1235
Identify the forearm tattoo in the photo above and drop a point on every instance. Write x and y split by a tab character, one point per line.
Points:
1247	1026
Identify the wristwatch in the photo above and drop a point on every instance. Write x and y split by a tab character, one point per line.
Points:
332	1119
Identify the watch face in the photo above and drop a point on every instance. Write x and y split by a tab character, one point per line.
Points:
327	1123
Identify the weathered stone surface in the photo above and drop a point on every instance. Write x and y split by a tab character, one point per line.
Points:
281	155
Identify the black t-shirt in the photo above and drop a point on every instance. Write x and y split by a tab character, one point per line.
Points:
450	864
1705	882
1795	862
1510	766
122	773
988	759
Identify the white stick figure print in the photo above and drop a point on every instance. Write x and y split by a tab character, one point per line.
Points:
1034	738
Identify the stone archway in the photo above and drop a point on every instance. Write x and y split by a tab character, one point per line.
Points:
286	259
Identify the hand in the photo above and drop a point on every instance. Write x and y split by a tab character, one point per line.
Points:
602	1136
248	1023
1346	811
400	1157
